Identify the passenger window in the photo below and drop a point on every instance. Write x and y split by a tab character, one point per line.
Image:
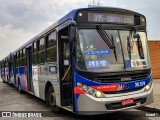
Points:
24	53
17	59
41	57
23	59
41	47
35	53
51	41
51	48
21	54
17	55
40	51
34	47
17	63
34	58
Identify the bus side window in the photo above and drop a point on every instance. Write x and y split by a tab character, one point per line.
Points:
40	46
20	60
51	48
34	53
24	58
17	60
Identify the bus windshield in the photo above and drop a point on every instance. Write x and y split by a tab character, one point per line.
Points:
118	50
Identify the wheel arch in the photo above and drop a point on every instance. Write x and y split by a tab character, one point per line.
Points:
48	84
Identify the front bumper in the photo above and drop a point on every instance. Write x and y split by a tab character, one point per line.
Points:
88	105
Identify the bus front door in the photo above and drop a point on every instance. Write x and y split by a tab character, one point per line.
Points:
65	64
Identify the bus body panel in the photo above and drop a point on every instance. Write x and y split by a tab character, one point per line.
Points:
95	106
36	83
41	77
12	79
23	79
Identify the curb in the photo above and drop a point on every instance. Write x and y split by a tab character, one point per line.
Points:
149	109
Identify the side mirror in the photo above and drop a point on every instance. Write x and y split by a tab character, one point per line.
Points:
135	35
72	33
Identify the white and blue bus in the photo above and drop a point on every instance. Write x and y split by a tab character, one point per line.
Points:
92	61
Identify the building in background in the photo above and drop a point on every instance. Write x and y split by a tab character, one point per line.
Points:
154	51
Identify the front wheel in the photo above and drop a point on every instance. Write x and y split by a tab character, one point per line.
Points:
51	100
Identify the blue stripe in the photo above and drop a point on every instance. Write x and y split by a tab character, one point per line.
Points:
131	84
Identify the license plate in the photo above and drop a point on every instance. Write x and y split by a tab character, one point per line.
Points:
127	101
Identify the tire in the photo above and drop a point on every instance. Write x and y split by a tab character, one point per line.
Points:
19	88
51	100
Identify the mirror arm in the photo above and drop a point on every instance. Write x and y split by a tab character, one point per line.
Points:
74	23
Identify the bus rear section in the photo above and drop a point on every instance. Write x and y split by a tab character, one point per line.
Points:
113	71
5	69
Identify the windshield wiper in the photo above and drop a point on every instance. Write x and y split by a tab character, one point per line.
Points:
114	48
109	41
140	47
129	47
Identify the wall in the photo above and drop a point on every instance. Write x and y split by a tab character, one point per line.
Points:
154	51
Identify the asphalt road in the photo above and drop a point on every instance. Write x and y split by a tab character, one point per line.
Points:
11	100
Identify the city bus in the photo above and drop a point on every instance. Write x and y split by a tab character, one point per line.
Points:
4	69
92	61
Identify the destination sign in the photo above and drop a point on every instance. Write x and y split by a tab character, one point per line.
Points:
91	64
111	18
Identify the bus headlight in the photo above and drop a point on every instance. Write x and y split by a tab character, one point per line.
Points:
148	87
98	94
91	91
84	88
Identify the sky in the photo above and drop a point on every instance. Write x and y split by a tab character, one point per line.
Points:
21	20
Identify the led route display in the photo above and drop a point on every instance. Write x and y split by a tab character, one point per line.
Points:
111	18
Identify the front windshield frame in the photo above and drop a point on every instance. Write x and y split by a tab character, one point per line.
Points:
122	65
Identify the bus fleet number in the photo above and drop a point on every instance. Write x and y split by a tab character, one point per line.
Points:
140	84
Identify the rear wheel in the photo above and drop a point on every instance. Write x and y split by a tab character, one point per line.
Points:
19	88
51	100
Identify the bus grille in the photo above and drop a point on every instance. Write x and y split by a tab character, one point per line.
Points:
124	91
118	78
